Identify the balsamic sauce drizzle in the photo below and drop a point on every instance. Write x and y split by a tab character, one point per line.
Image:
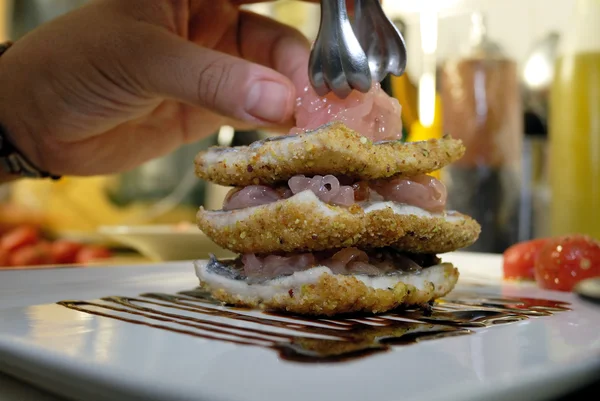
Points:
305	339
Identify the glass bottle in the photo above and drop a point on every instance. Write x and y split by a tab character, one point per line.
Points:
574	126
481	105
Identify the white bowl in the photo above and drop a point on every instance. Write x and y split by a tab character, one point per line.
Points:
166	242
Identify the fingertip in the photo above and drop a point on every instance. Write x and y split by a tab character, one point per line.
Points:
270	101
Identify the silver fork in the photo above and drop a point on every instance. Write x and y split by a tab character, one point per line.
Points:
338	61
380	39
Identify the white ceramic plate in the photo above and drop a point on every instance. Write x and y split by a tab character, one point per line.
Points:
88	357
165	242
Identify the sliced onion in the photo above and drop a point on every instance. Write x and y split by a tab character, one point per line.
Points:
422	191
363	268
275	265
348	255
327	189
253	266
344	261
253	195
299	183
345	197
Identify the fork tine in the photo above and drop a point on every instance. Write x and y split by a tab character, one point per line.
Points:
355	62
315	68
380	39
337	62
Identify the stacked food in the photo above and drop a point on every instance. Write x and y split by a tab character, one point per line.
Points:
339	216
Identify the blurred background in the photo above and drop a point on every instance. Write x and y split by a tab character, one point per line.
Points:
484	71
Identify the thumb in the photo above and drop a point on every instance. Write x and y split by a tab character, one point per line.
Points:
172	67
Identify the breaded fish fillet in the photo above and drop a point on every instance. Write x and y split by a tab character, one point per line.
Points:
317	291
304	223
300	223
332	149
414	230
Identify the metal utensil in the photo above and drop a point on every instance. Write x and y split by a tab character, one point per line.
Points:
337	61
347	56
380	39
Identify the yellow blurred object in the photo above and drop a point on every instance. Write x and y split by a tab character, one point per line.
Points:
12	215
574	127
82	204
418	132
298	14
406	92
292	13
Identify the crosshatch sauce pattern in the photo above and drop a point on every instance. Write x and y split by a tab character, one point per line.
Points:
302	339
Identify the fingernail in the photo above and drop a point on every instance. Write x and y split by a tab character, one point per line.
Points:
268	100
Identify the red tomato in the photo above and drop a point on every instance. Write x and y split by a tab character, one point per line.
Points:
91	253
565	261
19	237
519	259
4	258
30	255
46	246
65	252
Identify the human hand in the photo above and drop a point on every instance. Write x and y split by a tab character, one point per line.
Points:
116	83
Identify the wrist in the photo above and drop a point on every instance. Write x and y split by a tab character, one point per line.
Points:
19	156
14	162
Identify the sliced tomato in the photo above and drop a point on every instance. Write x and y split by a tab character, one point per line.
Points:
519	259
30	255
45	245
92	253
564	261
65	252
19	237
4	261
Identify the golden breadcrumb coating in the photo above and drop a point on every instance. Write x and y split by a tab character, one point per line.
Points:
304	223
334	294
419	234
300	223
333	149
